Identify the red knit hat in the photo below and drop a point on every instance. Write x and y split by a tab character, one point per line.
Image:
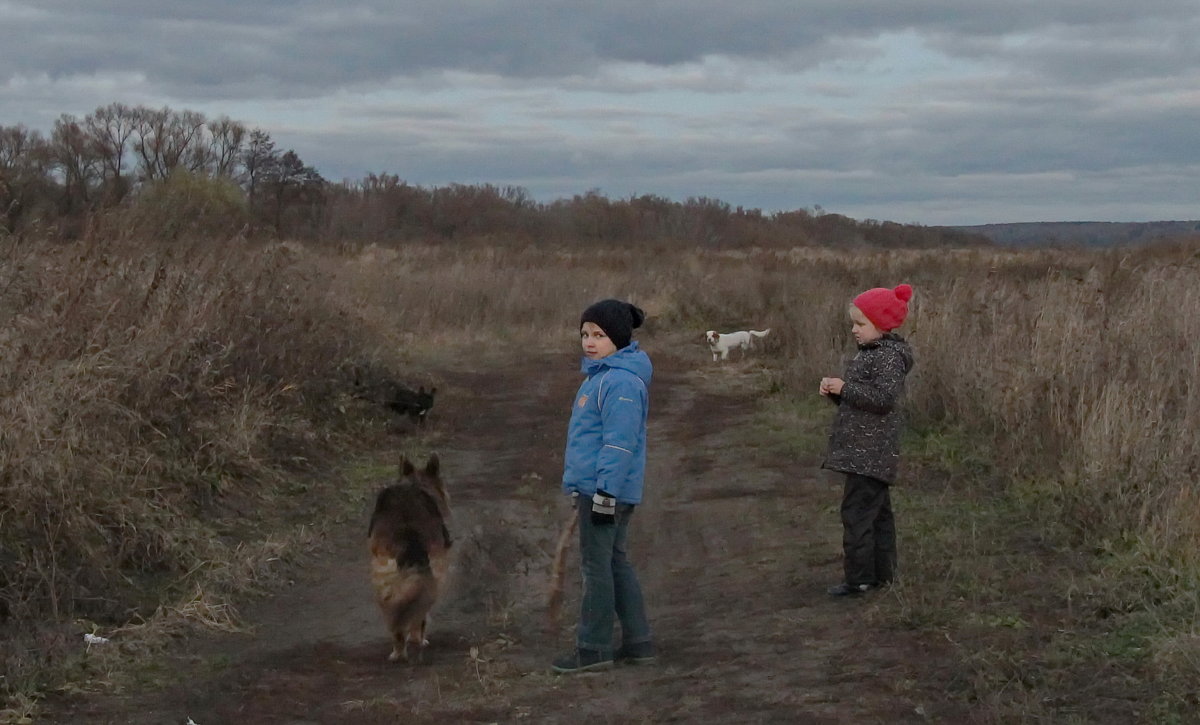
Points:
885	308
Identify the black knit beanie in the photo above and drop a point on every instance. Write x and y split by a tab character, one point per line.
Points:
618	320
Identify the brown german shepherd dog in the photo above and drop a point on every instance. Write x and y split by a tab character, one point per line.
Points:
410	552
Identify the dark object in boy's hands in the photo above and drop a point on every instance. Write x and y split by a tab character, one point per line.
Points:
604	509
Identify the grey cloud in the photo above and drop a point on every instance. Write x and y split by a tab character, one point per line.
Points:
1029	150
396	113
1117	49
226	49
918	141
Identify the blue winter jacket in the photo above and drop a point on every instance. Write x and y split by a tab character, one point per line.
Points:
606	439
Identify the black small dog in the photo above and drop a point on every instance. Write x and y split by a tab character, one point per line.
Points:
405	401
368	385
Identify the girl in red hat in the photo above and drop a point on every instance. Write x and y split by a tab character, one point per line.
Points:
864	442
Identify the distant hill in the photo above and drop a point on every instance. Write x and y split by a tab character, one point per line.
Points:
1085	233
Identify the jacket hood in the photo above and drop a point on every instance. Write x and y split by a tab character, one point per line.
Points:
630	358
897	343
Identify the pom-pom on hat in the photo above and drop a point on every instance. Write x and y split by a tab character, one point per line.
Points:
616	318
885	308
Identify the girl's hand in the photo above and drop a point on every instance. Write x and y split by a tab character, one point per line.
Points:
831	386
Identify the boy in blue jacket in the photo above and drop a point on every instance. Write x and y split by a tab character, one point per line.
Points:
604	466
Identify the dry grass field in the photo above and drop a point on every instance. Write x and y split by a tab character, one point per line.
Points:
171	417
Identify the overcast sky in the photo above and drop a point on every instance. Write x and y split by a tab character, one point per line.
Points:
928	111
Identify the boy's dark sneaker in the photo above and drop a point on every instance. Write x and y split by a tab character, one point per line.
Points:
581	660
848	590
641	653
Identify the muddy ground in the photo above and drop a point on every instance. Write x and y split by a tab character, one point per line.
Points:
735	544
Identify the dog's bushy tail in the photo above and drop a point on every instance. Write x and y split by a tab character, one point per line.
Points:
558	572
761	333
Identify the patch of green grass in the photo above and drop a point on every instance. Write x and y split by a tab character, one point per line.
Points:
1130	639
1010	620
1046	629
952	556
950	450
365	475
794	426
381	705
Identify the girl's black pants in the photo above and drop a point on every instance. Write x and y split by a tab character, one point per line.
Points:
868	531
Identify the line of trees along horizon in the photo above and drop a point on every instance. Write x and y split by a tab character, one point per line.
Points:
157	173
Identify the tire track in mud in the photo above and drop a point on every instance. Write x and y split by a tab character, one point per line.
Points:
734	546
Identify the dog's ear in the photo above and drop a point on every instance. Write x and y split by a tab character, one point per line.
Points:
432	391
406	466
433	465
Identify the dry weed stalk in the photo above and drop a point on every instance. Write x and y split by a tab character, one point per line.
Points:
558	571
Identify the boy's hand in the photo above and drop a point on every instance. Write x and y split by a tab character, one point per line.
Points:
604	509
831	386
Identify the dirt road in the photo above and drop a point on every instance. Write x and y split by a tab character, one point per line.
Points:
735	545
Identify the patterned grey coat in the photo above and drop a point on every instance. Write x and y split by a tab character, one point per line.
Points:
865	437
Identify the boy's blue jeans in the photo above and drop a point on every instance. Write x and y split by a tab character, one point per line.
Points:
610	586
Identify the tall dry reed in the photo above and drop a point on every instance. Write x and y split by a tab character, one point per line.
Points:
152	401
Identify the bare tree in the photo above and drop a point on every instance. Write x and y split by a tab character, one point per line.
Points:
189	129
23	172
111	128
73	155
226	139
151	124
292	182
258	161
167	140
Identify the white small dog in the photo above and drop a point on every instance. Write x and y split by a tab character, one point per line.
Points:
722	342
